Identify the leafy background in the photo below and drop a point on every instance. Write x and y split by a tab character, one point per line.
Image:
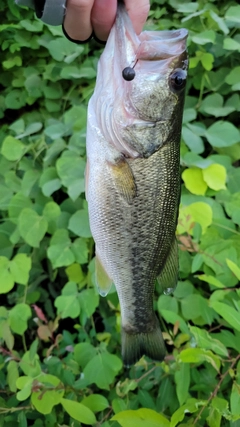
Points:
59	341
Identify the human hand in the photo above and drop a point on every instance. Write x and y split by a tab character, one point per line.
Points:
85	16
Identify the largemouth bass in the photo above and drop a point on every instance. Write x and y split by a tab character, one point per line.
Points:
132	176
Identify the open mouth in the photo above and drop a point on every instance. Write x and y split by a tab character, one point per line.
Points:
161	44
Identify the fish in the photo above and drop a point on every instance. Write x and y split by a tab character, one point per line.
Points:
133	175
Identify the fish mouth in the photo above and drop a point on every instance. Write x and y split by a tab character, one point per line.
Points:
149	45
159	45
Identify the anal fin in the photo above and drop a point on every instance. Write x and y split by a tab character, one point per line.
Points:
103	281
123	179
168	277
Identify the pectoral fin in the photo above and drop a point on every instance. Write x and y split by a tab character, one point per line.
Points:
168	277
103	281
123	179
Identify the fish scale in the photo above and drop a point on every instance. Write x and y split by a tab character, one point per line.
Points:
133	178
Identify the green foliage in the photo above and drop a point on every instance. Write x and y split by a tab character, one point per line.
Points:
59	341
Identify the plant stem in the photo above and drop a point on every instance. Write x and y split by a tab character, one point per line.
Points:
215	391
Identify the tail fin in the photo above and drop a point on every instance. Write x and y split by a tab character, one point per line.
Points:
135	345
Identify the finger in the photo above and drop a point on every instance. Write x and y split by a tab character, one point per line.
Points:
77	22
103	17
138	12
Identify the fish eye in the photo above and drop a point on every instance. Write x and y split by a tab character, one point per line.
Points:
128	74
178	80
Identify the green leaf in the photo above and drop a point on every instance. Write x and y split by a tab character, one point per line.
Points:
194	182
195	306
11	62
233	78
89	301
56	131
33	85
95	402
30	367
234	268
213	105
6	278
222	134
172	318
197	355
60	47
79	412
191	406
70	169
215	177
5	197
73	72
49	394
232	205
204	340
207	60
233	14
118	405
49	181
219	21
83	353
221	405
192	140
80	250
15	99
29	180
75	273
79	224
12	148
18	317
12	375
231	44
32	227
24	383
230	314
17	204
67	304
204	37
102	369
214	418
31	129
59	251
12	181
32	26
141	418
211	280
182	379
51	211
20	267
6	335
235	400
199	212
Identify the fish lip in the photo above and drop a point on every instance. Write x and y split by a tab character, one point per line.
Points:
149	45
169	36
162	44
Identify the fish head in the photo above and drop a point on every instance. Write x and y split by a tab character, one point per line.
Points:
143	79
157	90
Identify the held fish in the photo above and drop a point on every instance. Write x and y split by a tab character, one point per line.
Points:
132	176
